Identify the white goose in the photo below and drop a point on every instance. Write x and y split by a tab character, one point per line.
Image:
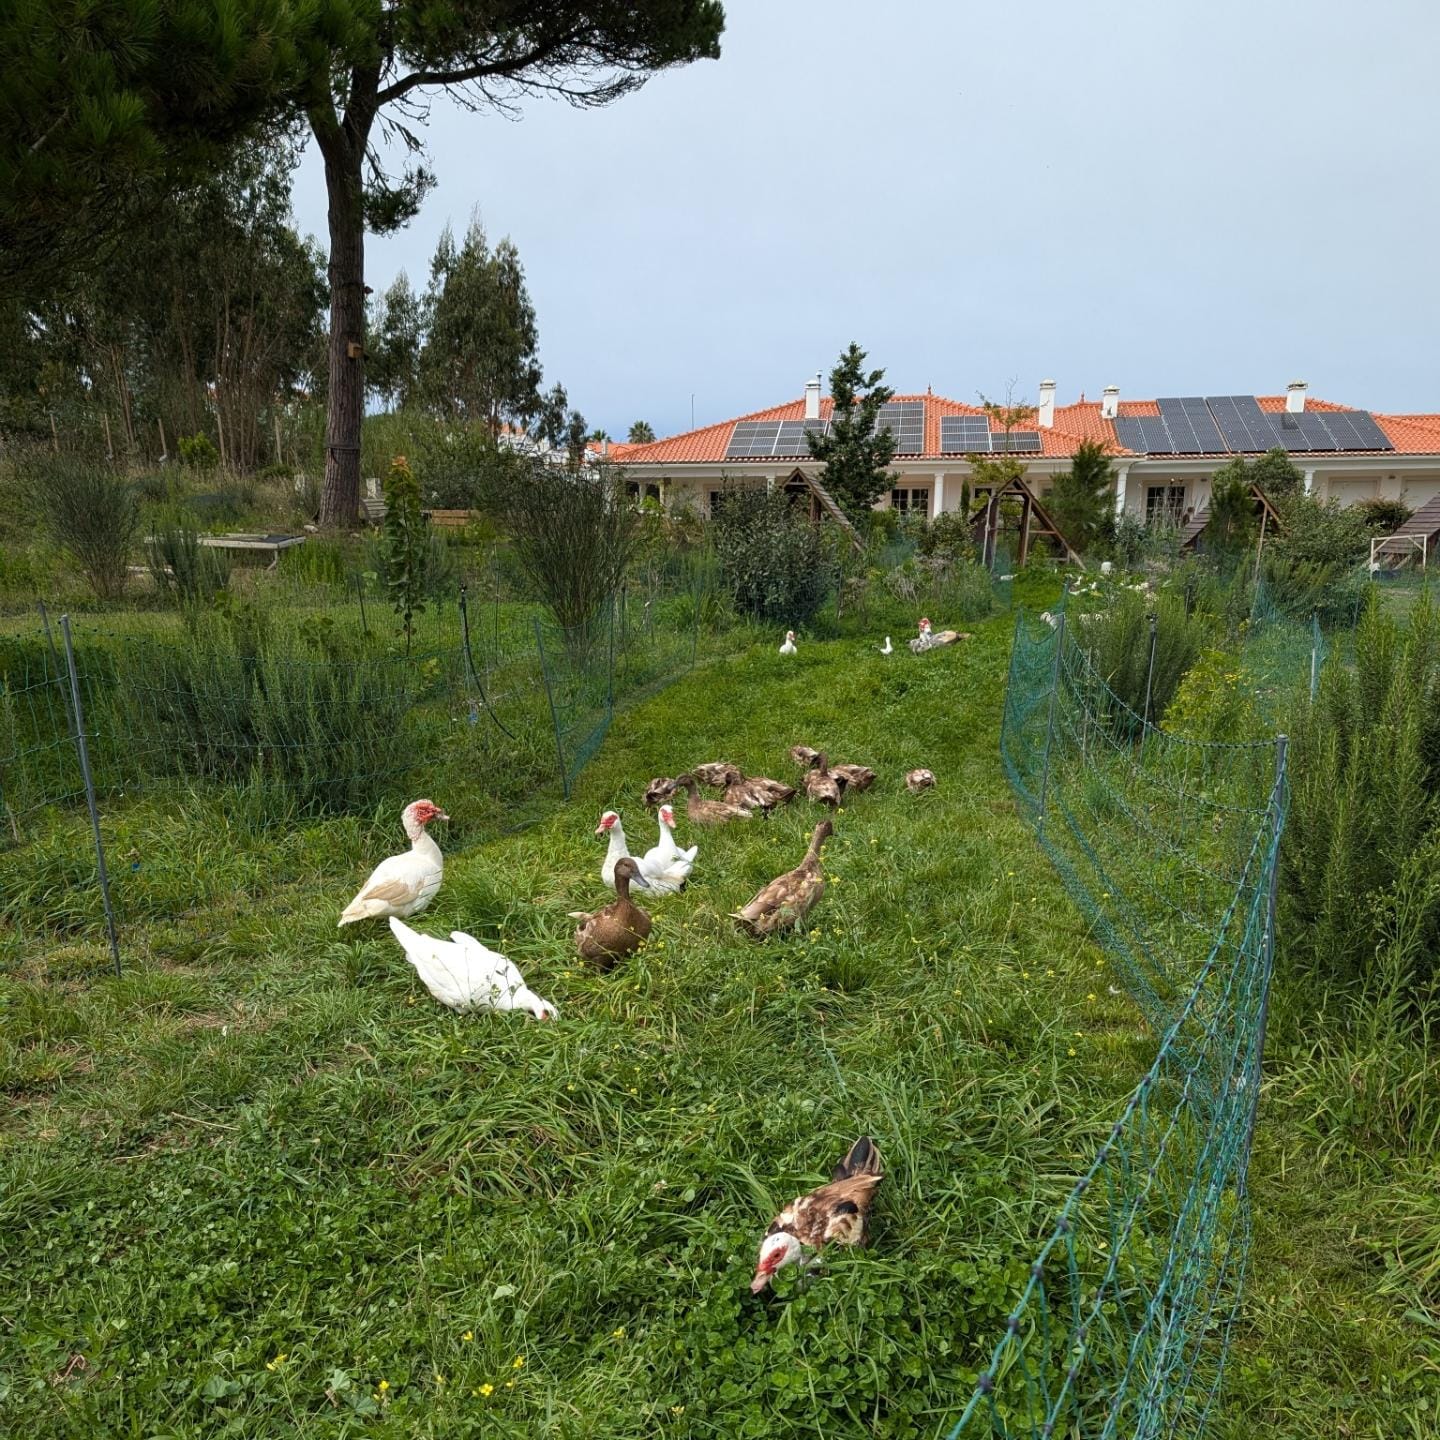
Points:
788	648
465	975
665	865
403	884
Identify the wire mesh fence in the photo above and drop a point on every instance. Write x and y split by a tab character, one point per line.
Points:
1170	847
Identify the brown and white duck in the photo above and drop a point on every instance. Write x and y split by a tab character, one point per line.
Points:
708	812
835	1214
750	792
918	780
787	900
804	756
822	786
605	936
856	777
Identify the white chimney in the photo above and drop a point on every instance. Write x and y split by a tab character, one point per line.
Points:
1295	397
1110	402
605	448
1047	405
812	398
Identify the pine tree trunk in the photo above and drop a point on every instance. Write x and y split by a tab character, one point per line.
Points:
345	402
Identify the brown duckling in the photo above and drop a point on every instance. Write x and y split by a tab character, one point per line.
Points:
749	792
918	780
856	777
804	756
708	812
658	791
822	785
786	901
608	935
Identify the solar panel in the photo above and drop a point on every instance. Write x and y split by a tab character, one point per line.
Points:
1177	422
1242	422
1286	429
1356	430
1016	442
1202	425
964	434
1156	435
791	439
906	420
1128	433
1312	426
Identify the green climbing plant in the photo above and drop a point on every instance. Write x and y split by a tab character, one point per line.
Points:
405	545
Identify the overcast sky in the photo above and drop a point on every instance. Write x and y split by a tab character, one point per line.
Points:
1208	198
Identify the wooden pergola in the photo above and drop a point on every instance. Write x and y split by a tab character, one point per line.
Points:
1035	522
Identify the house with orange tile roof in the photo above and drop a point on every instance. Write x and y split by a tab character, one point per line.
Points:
1164	452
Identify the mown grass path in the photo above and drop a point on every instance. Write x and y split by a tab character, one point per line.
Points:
265	1187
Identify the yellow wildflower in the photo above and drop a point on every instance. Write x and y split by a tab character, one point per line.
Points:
618	1334
277	1362
1072	1052
468	1336
518	1363
383	1386
487	1389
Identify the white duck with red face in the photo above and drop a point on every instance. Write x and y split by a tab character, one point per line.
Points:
618	848
665	865
788	648
404	884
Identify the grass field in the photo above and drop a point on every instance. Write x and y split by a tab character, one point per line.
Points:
263	1186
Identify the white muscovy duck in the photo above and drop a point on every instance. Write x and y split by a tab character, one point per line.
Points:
618	848
665	865
788	648
403	884
465	975
887	648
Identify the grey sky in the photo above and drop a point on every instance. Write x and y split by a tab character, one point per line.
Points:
1209	198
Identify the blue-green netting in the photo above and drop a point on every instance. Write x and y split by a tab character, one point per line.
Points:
1169	847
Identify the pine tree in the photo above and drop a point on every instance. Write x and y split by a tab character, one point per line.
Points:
1080	500
856	455
397	338
1231	523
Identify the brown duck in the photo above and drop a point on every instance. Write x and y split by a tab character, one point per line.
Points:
804	756
918	780
835	1214
823	785
788	900
708	812
856	777
608	935
750	792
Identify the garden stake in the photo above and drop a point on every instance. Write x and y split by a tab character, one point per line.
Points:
79	717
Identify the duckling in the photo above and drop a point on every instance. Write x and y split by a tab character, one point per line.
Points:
785	901
708	812
821	785
804	756
856	777
918	780
605	936
658	791
750	792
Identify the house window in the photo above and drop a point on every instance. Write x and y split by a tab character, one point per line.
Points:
715	501
908	501
1164	504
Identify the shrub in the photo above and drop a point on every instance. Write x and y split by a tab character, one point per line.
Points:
772	558
89	513
947	537
1231	525
1382	516
1118	644
1080	500
1365	799
571	532
180	565
1321	532
404	545
198	453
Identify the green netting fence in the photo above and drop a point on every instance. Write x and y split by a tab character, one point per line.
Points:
1170	848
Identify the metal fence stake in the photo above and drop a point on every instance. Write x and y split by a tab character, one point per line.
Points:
1050	718
554	714
1154	620
78	714
1314	651
1276	821
360	591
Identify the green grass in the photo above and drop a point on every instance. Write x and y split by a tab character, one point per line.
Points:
266	1141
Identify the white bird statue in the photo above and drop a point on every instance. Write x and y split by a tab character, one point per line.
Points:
404	884
887	648
465	975
788	648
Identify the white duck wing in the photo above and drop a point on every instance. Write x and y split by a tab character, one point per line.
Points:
397	886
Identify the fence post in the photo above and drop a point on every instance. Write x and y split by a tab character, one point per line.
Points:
1050	717
360	591
1314	651
78	714
1267	963
1154	620
554	714
471	673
